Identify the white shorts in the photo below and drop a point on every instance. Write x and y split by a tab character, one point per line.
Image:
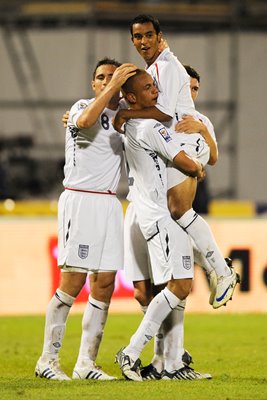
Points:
171	254
90	232
198	150
136	258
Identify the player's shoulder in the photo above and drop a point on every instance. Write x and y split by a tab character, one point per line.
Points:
152	127
81	104
149	124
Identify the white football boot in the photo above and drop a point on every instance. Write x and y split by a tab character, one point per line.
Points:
91	372
225	288
50	370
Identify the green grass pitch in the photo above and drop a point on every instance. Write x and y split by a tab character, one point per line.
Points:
232	347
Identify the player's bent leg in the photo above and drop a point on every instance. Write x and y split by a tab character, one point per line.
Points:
181	197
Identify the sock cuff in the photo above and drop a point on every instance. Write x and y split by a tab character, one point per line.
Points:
187	218
181	305
172	300
98	304
143	308
64	298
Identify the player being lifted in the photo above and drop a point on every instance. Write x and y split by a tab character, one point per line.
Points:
148	146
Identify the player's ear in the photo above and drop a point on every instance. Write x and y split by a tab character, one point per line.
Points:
131	98
93	85
159	37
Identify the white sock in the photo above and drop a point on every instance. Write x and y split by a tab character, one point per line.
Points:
55	324
201	233
174	338
157	311
157	360
93	323
200	260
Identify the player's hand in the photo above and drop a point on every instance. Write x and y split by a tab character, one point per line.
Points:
65	118
122	73
202	174
163	44
119	120
189	125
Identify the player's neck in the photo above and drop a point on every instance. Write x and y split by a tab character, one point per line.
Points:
153	59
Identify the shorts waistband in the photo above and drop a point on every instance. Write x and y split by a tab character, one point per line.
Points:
90	191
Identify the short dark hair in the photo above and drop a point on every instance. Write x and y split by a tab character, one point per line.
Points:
106	61
143	19
192	72
128	86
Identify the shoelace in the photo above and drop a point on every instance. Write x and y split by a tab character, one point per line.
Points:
56	366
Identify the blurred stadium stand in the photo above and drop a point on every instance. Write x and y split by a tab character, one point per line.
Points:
174	14
29	170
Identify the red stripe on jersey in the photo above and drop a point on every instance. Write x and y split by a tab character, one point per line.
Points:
157	70
91	191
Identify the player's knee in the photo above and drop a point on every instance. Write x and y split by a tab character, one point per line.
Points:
181	287
103	293
178	210
102	285
72	283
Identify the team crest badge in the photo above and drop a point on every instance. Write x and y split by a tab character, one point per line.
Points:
165	134
81	106
83	251
186	262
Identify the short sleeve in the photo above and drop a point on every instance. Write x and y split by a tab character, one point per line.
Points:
154	135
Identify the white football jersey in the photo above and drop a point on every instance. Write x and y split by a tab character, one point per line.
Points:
173	83
93	156
148	146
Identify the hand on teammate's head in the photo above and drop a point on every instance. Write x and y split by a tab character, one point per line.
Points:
124	72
